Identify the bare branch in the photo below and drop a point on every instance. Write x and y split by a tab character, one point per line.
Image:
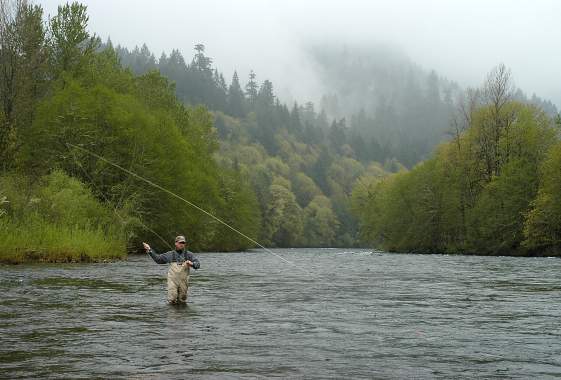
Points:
498	87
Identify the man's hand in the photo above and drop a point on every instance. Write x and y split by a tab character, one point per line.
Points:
188	263
146	247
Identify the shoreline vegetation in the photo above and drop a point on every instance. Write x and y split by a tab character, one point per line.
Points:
494	189
57	219
286	177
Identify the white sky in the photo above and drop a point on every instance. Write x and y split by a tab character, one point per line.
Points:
461	40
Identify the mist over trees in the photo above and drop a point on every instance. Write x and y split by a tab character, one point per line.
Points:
383	112
493	189
300	164
389	100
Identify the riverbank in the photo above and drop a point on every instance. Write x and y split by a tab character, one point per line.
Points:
56	218
548	252
51	243
88	247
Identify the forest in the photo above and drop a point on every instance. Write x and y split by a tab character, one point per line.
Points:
494	189
410	163
63	96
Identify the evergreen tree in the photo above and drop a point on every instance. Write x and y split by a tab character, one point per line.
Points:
201	62
266	97
251	89
295	125
337	135
236	98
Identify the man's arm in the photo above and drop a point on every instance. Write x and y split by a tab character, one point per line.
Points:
160	259
195	264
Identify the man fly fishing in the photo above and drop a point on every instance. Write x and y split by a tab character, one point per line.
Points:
181	261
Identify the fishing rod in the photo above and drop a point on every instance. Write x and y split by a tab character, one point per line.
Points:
155	185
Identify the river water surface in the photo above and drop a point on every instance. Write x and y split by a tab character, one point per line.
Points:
359	314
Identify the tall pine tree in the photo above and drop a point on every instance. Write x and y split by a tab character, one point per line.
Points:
236	98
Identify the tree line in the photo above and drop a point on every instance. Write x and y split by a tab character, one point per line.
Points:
293	155
494	189
300	163
197	82
63	96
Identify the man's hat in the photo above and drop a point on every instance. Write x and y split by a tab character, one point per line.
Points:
180	239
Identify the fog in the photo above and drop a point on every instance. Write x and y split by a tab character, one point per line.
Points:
461	40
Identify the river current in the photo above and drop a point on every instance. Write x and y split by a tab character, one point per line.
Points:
355	314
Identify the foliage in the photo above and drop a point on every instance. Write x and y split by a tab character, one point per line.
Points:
542	228
23	70
482	192
284	175
153	136
320	223
86	106
70	42
57	218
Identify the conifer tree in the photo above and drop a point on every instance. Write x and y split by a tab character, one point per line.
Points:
236	98
251	89
200	61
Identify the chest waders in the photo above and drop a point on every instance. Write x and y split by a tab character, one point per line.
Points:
178	283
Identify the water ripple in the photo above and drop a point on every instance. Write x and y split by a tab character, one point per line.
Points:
363	314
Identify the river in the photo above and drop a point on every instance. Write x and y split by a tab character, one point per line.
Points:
356	314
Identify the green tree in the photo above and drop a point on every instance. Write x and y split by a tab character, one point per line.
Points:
251	88
283	217
474	194
23	71
542	229
136	126
236	98
305	189
295	125
337	135
320	223
201	62
71	43
238	208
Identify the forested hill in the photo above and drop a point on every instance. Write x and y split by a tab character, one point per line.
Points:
388	97
300	165
388	106
381	111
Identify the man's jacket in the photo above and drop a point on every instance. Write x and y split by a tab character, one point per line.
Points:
175	256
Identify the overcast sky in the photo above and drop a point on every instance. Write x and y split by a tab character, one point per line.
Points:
461	40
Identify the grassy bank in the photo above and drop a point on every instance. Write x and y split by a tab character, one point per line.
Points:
57	219
44	242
